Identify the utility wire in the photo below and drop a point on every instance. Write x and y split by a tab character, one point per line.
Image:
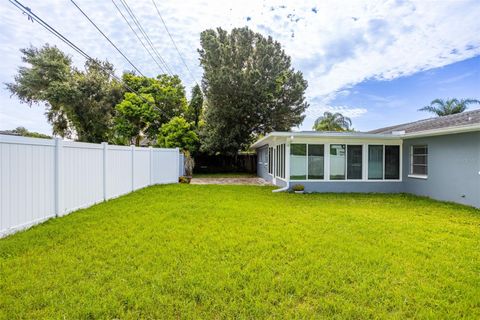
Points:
31	15
175	45
147	38
106	37
138	37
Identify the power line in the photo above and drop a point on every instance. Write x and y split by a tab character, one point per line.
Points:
174	44
138	37
147	38
29	13
106	37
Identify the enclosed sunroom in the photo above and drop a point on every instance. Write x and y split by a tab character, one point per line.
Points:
331	161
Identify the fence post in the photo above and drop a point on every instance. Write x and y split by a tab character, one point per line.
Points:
178	162
132	147
150	149
57	170
105	152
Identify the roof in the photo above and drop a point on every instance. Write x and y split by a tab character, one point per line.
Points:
324	134
454	120
456	123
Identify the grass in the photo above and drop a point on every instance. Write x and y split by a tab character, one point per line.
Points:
210	252
225	175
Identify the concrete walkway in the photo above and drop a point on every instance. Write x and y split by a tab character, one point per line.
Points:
246	181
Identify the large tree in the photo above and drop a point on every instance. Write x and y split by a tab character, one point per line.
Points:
332	122
250	86
79	104
195	106
442	107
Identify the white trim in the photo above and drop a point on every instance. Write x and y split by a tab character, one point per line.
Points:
418	176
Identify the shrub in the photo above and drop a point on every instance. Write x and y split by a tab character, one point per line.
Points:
298	187
184	179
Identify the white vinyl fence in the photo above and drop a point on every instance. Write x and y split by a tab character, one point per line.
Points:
42	178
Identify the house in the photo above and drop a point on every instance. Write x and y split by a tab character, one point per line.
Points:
437	157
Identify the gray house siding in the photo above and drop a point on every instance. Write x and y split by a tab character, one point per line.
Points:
453	168
346	186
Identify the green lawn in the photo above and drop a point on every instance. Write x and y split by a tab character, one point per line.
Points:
210	252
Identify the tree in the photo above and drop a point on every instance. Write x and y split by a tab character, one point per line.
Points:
195	106
49	69
447	107
178	133
332	122
250	87
167	92
25	133
134	117
78	103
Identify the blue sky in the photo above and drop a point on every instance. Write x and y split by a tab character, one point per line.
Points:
376	61
390	102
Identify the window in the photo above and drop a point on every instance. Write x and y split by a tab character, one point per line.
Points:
383	162
316	159
354	162
270	160
375	162
392	162
337	162
419	160
298	163
280	161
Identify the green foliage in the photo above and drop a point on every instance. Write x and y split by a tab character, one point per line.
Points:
442	107
250	87
242	252
25	133
178	133
195	106
78	103
167	92
298	187
134	117
332	122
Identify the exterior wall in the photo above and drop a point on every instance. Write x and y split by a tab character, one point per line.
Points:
349	186
453	168
262	164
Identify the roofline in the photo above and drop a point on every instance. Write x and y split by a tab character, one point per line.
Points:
351	135
362	135
443	131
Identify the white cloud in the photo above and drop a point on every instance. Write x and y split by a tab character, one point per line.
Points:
336	44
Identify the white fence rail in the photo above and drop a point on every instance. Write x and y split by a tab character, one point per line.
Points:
41	178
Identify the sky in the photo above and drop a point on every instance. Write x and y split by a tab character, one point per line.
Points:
376	61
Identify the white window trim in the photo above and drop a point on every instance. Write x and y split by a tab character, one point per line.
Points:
411	174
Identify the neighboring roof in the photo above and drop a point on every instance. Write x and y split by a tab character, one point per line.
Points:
454	120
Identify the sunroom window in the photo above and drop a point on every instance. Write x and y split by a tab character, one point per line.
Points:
298	161
337	162
354	162
316	158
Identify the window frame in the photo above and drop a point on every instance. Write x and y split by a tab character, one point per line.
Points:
384	163
411	174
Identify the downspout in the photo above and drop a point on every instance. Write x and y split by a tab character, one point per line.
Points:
284	188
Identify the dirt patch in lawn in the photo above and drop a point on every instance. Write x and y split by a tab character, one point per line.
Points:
246	181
